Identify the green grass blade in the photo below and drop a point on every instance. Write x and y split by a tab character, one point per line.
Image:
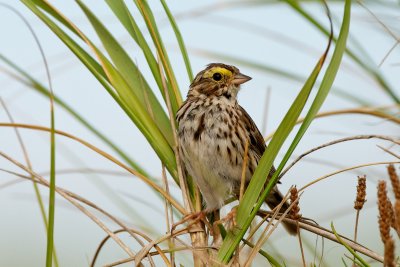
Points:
326	83
125	17
258	180
38	87
265	254
119	202
117	87
249	204
140	116
52	190
131	74
361	260
147	14
374	73
52	184
51	255
179	38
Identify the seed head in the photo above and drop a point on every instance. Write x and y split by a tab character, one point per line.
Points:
384	207
361	193
389	258
394	178
294	212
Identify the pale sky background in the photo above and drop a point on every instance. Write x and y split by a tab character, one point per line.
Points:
274	35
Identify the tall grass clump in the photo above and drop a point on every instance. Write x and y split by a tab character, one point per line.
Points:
149	94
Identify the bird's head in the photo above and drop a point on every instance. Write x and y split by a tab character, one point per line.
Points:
218	79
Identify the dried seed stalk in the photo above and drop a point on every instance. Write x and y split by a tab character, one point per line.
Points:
294	213
389	258
384	212
394	178
361	193
360	200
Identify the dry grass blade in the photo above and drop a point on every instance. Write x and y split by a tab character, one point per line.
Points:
254	230
103	242
145	179
29	166
269	228
356	137
363	111
325	233
155	253
182	181
51	204
198	239
389	152
347	169
386	29
71	198
145	250
169	217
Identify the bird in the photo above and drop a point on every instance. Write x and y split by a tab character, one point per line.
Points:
213	130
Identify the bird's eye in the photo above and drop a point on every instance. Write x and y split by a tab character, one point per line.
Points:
217	76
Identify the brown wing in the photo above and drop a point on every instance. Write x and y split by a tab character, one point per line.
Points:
257	143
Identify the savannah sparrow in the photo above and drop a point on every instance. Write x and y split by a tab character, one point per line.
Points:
213	130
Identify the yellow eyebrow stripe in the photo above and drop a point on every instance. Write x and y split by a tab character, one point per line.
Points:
223	71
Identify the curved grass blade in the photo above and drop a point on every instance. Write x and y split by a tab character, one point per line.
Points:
361	260
147	14
38	87
125	17
52	186
51	254
265	254
90	63
181	43
325	86
250	205
52	183
117	87
130	73
374	73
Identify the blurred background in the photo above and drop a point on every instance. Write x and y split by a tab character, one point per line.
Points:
267	40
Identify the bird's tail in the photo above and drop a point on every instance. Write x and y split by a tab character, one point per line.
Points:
273	200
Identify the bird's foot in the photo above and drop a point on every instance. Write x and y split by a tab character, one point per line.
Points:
229	220
192	218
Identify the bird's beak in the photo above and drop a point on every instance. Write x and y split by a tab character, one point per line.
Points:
240	78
